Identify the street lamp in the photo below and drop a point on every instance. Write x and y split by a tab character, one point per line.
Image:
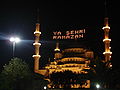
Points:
97	86
14	40
45	87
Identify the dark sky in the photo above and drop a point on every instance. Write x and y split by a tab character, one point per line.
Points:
19	18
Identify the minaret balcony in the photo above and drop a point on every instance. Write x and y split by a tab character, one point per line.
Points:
106	40
107	52
106	27
57	49
37	32
39	44
36	56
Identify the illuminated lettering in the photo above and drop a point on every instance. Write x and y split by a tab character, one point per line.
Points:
67	37
59	37
76	36
76	32
67	33
57	33
54	37
73	34
80	31
63	37
81	36
84	30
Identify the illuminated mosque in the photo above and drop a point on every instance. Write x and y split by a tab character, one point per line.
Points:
70	63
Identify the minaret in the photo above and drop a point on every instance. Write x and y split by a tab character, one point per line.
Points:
58	54
57	47
37	46
106	41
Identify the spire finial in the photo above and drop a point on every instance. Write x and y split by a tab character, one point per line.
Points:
106	8
106	21
57	45
37	15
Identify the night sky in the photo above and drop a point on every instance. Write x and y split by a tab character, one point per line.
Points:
19	19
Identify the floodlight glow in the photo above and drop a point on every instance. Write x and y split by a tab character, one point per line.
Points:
97	86
15	39
45	87
12	39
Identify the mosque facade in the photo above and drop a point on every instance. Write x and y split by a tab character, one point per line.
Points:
72	66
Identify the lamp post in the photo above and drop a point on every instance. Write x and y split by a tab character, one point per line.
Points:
14	40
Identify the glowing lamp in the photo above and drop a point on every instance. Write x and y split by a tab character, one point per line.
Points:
45	87
97	86
15	39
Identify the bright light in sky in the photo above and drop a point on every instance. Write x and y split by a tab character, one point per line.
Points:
12	39
15	39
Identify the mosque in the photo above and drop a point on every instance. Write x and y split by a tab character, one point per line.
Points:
72	66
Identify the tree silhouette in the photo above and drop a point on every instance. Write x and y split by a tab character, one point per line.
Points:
13	73
17	76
